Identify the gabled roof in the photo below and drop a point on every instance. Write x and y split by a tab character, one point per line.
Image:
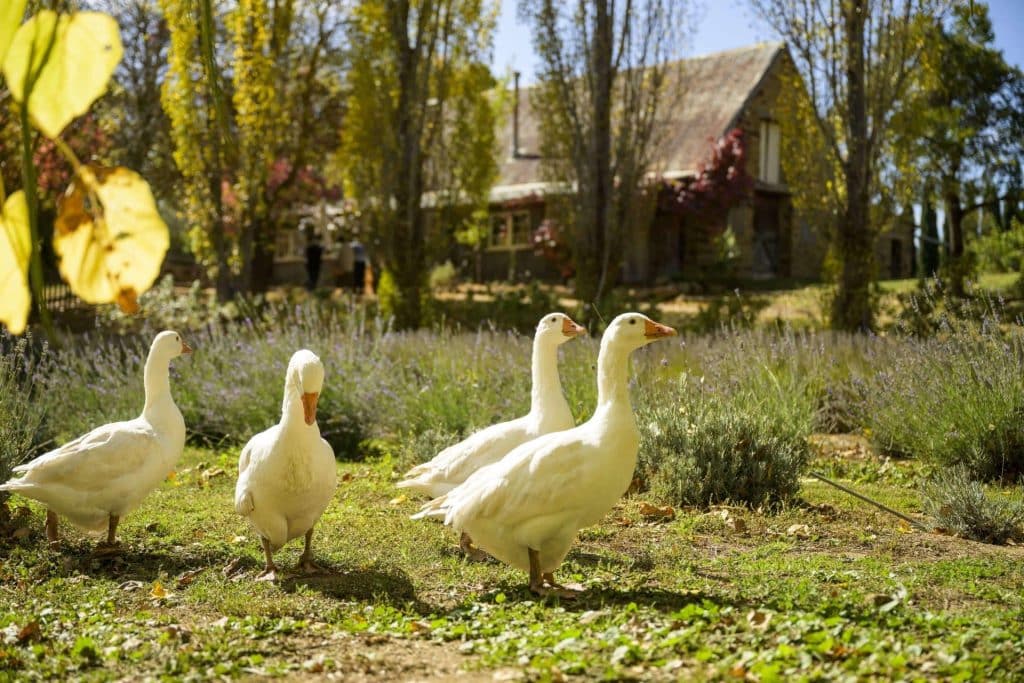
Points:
711	93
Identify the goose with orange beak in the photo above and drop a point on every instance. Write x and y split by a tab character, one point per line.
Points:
96	479
286	474
549	412
527	508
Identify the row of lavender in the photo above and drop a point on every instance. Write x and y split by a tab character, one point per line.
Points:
724	416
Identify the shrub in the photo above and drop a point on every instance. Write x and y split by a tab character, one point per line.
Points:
956	398
960	505
22	409
736	433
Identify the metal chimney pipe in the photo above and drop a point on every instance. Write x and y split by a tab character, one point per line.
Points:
515	115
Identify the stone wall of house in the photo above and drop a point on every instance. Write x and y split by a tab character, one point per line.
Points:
800	246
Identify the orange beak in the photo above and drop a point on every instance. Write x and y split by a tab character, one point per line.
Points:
653	330
309	406
185	348
571	329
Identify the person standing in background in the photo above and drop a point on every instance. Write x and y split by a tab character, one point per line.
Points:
358	266
314	257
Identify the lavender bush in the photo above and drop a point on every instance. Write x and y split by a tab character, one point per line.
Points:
22	407
733	426
953	399
959	504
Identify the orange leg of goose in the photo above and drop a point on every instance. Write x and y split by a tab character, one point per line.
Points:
306	563
269	572
543	583
52	535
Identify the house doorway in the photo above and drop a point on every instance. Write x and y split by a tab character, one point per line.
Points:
765	256
895	258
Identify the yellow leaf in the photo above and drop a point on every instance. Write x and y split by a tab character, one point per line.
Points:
11	12
70	57
109	236
398	501
15	250
158	590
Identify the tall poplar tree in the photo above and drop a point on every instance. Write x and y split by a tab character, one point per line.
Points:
415	83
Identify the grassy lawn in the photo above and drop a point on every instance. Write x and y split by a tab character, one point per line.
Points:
827	589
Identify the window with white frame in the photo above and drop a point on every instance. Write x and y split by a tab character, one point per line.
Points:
770	143
510	230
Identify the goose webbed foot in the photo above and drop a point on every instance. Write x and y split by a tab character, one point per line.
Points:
472	552
544	584
269	572
306	564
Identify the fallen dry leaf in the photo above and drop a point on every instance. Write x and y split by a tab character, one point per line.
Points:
233	566
398	501
799	530
158	591
29	631
737	525
651	511
346	477
188	577
758	619
21	532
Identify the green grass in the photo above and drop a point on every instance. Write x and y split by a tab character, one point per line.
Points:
850	594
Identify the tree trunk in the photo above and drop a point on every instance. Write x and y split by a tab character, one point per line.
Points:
407	258
958	267
261	272
595	224
852	309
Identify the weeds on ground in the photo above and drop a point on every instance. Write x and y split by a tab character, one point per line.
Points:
959	504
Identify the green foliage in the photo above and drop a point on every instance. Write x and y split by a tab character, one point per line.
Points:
417	124
738	432
1000	252
442	276
960	505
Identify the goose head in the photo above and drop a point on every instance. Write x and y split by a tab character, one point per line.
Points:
306	377
630	331
167	345
558	328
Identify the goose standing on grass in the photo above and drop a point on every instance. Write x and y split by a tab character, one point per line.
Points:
526	509
549	412
98	478
286	474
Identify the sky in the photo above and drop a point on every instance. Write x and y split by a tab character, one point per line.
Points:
726	24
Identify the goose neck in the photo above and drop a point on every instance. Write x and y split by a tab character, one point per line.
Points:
546	384
612	378
157	383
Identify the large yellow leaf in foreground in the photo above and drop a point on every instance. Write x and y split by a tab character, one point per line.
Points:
15	250
74	56
11	12
109	236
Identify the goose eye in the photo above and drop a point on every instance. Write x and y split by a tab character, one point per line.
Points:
632	321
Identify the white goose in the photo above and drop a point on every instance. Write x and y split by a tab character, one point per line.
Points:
526	509
549	412
286	474
101	476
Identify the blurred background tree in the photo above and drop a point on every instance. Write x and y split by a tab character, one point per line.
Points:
416	83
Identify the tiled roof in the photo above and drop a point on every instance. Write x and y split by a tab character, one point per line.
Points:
710	93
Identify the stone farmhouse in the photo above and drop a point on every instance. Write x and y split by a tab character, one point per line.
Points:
720	92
